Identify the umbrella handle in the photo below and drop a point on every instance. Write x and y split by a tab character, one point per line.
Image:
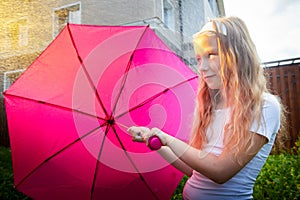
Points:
154	142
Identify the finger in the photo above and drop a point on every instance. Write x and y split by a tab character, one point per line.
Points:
159	133
139	134
136	129
154	131
139	137
133	129
144	130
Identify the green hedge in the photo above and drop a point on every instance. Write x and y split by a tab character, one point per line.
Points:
279	178
7	190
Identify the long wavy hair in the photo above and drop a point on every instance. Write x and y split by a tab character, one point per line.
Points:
243	81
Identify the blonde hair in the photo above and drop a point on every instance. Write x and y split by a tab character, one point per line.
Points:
243	81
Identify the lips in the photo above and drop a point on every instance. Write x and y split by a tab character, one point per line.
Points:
208	76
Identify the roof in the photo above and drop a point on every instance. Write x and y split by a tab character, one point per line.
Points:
277	63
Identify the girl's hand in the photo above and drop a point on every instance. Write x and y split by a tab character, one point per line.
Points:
160	134
139	133
142	134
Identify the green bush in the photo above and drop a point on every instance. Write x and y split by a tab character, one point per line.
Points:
280	177
178	192
7	190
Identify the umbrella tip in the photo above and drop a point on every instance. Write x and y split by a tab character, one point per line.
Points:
110	121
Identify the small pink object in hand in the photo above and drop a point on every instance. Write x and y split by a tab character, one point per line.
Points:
154	142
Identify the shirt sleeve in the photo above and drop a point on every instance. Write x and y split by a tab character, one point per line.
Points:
270	120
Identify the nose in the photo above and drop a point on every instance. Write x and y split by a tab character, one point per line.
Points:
203	66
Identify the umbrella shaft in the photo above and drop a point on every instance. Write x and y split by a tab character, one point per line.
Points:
124	126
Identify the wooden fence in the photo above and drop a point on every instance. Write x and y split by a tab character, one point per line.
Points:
283	79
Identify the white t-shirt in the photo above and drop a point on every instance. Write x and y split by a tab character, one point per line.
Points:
241	185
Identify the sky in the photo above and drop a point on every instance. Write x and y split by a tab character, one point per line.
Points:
274	26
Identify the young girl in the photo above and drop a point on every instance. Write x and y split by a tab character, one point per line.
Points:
236	119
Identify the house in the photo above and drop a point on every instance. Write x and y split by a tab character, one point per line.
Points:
27	27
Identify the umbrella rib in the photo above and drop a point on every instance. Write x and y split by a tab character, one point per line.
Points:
123	83
126	70
87	74
58	152
54	105
97	163
154	97
131	161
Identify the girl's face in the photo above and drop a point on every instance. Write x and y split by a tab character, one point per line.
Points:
206	52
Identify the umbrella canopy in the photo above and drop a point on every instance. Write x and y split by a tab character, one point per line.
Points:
69	111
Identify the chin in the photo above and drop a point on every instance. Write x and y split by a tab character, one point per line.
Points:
213	87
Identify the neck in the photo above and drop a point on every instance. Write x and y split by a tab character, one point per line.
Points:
217	99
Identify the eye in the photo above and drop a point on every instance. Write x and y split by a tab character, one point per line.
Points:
212	55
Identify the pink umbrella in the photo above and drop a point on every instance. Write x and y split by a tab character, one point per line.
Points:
69	111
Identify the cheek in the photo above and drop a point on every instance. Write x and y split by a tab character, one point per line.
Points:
215	66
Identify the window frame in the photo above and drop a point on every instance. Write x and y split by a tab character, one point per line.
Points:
7	82
21	39
168	16
58	27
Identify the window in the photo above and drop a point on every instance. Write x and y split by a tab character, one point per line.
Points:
66	14
10	77
211	8
169	16
18	33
